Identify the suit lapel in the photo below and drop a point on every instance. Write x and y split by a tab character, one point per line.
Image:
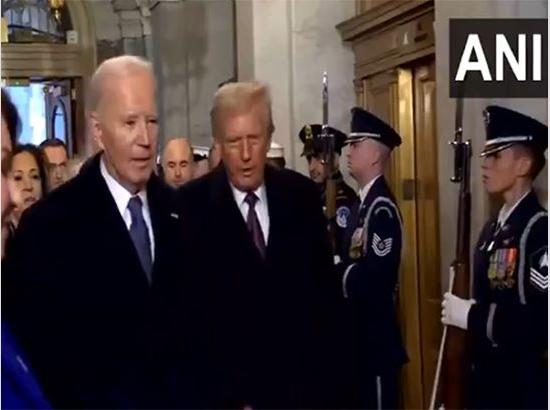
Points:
109	224
278	220
162	216
229	222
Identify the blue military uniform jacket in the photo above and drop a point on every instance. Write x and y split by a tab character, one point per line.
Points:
509	322
370	277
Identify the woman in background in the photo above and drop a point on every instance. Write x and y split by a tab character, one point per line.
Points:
28	179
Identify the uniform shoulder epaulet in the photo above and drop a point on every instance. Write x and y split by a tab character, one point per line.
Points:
380	207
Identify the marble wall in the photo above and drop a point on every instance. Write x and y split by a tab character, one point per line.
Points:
473	126
193	51
288	45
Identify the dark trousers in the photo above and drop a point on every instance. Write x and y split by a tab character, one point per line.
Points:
375	391
507	382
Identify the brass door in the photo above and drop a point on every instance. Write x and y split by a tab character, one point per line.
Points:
405	97
427	213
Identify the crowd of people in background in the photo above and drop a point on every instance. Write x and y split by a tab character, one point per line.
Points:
34	171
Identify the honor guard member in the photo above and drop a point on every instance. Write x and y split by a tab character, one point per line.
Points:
370	271
507	318
346	198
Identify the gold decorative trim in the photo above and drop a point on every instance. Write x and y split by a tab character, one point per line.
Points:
383	16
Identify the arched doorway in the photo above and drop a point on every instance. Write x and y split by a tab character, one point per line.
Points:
48	55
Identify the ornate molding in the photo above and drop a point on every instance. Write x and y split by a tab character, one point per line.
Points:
55	60
382	17
390	34
50	60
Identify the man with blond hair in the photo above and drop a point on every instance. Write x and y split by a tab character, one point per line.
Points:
82	313
262	285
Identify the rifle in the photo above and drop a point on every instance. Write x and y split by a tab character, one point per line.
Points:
453	352
329	167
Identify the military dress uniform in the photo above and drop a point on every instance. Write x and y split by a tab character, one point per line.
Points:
508	324
346	198
370	277
346	204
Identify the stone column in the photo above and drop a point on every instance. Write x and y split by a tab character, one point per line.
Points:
169	60
193	51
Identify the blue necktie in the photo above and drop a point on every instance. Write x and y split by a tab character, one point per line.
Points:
140	235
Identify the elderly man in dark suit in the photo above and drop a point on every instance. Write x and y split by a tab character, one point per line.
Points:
262	292
85	257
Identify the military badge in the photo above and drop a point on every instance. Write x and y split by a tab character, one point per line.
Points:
502	268
538	274
342	215
381	247
356	246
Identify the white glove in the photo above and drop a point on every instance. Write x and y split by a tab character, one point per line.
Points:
455	310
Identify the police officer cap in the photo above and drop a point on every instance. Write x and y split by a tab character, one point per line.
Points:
505	127
366	125
317	146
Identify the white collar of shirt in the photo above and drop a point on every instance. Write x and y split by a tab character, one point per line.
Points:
365	190
122	196
504	213
261	208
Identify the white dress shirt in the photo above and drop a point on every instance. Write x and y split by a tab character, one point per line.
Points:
122	196
261	207
365	190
